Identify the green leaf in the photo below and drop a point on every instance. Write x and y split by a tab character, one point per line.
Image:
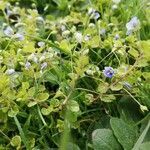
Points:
29	47
42	96
142	63
21	133
60	125
82	61
73	106
62	4
2	5
53	76
31	91
64	44
54	102
72	116
47	111
146	75
145	48
32	103
16	141
13	111
108	98
116	87
94	42
133	52
103	122
129	110
72	146
25	85
103	87
145	146
125	133
103	139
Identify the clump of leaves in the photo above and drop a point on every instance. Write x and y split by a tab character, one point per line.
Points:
74	74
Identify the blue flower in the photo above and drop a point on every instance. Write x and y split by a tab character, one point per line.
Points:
19	36
93	13
102	32
9	31
27	65
96	15
87	37
132	25
116	37
108	72
33	57
10	71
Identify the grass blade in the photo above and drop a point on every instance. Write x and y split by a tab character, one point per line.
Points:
21	133
141	138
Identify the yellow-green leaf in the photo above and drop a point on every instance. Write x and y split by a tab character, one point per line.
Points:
42	96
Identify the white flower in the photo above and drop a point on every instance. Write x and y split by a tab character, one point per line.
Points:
65	33
90	72
92	69
116	1
87	37
43	65
40	19
9	12
102	32
132	25
33	58
114	7
19	36
96	15
117	36
78	37
9	31
93	13
10	71
63	28
27	65
41	44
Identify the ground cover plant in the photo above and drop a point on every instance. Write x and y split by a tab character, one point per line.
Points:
74	74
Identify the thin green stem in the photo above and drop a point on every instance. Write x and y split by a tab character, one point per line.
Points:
144	119
41	117
132	96
6	137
